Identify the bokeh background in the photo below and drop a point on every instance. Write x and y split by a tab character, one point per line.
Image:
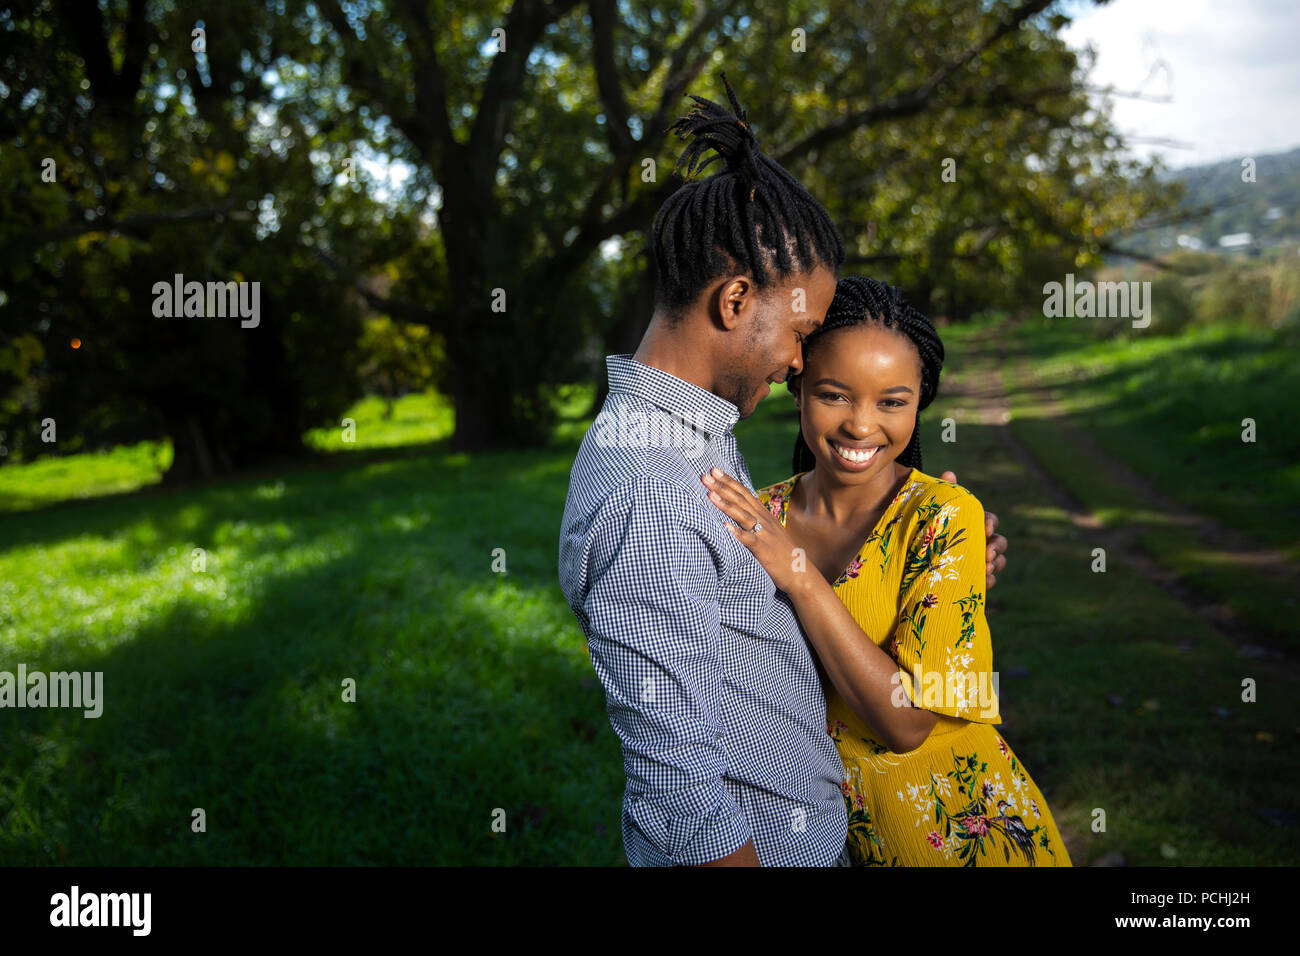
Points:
445	206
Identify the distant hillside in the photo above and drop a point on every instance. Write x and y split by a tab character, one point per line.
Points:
1268	209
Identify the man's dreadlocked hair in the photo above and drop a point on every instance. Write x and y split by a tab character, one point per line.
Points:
754	212
862	301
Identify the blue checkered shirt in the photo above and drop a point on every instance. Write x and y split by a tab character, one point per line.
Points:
709	683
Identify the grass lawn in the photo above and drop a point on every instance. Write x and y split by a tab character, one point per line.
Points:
473	690
1172	409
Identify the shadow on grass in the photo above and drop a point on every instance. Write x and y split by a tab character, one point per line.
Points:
473	692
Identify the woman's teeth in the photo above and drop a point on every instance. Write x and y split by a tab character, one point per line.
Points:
855	455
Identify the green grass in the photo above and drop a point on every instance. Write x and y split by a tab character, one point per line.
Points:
416	419
223	687
47	481
1171	409
474	692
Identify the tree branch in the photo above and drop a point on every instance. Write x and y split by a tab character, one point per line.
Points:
1180	216
912	101
603	16
412	313
140	225
430	82
427	126
524	25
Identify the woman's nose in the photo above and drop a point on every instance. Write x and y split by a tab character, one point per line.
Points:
860	424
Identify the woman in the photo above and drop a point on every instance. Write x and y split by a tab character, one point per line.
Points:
885	567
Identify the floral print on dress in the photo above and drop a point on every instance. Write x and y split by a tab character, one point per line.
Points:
849	573
935	548
983	817
882	538
777	495
969	605
864	842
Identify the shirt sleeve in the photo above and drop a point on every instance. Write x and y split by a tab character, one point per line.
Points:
654	629
941	642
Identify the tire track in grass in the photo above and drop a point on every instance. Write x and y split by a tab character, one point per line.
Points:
984	396
1224	541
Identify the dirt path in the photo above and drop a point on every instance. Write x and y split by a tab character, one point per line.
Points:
1224	542
984	398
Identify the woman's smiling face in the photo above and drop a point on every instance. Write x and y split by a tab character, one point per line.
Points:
858	399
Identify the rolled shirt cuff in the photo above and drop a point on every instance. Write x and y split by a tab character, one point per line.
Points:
685	828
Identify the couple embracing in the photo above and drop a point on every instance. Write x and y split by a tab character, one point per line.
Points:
801	676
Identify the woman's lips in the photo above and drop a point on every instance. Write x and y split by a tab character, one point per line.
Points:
854	458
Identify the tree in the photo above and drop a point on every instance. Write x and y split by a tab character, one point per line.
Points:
136	153
538	145
537	137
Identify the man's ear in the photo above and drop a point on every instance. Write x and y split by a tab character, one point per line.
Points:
735	298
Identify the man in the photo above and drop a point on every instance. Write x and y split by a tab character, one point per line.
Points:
710	686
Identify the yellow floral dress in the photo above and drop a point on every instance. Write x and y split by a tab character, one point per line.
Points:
962	798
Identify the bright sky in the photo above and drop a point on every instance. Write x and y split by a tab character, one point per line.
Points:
1233	67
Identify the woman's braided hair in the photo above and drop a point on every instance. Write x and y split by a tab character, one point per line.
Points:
754	217
862	301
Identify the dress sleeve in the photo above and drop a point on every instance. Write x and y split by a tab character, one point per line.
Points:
941	641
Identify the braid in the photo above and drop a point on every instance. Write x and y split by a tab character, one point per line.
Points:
861	301
752	217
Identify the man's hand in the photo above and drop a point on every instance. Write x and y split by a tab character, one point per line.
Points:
995	560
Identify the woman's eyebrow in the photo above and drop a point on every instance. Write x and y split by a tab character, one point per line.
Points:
838	384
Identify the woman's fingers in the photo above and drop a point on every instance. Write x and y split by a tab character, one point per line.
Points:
733	499
718	478
736	511
729	488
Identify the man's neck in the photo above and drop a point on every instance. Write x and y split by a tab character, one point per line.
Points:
674	350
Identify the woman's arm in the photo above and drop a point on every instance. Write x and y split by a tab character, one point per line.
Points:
866	677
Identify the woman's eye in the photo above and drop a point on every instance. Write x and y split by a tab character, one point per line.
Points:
830	396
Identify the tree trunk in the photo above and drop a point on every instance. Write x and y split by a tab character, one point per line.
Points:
624	335
191	457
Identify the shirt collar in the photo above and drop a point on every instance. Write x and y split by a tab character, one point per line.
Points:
696	405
